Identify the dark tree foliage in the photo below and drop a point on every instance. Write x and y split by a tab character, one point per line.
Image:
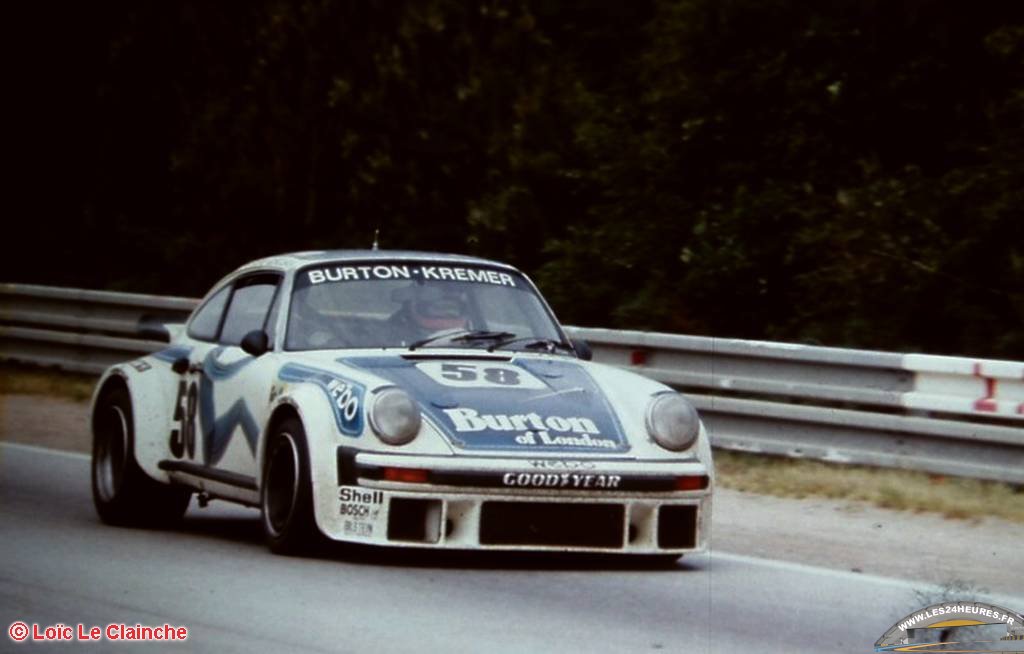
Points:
845	173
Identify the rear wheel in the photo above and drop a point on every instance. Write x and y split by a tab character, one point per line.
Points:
286	494
122	493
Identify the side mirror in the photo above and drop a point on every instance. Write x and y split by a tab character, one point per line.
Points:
582	348
152	329
255	343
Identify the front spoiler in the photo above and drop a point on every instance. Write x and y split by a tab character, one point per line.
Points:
569	505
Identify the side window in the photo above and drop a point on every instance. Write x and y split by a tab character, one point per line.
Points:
249	306
204	325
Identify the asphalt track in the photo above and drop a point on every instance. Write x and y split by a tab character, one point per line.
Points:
58	564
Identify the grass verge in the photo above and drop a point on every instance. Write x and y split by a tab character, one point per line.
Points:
902	490
28	380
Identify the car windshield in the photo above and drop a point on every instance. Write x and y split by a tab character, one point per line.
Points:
404	304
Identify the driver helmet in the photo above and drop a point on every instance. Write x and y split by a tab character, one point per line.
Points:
436	309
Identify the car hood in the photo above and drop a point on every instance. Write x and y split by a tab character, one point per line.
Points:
522	404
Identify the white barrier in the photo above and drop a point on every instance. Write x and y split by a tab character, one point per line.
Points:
969	386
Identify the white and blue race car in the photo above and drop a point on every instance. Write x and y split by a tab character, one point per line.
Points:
405	399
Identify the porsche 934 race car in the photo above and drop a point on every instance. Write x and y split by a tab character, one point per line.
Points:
402	399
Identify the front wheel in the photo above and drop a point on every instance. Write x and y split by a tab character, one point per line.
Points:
661	560
286	494
123	494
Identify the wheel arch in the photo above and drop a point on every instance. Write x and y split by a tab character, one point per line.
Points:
283	411
151	396
138	499
308	404
114	380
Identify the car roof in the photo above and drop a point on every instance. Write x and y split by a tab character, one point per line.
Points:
293	260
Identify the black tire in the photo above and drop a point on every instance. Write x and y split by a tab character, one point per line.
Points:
286	492
123	494
658	561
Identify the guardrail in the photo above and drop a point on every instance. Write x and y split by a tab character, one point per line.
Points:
945	415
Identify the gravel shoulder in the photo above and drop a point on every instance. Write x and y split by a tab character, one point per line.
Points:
983	554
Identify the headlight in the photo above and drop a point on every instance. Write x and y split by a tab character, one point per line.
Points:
394	416
672	422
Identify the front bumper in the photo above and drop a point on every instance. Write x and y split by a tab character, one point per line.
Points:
601	505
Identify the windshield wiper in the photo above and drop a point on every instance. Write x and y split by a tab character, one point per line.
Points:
535	343
463	335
